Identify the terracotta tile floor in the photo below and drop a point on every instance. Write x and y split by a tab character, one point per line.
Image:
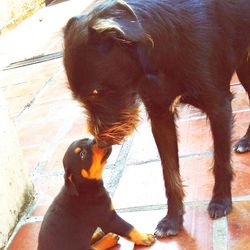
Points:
48	120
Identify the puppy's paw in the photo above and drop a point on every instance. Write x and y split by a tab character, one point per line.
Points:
219	207
243	145
106	242
140	238
145	240
111	238
169	227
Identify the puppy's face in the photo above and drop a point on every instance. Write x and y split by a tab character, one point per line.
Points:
102	68
84	160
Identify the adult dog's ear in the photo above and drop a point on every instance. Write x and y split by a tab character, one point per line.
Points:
70	185
73	22
117	22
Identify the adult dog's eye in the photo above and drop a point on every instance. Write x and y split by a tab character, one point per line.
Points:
95	92
83	154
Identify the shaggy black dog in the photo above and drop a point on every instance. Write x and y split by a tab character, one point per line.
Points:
162	52
83	204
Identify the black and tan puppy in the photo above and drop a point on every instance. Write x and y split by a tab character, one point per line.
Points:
83	204
162	52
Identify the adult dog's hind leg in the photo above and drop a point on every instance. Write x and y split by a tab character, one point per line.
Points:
220	116
243	72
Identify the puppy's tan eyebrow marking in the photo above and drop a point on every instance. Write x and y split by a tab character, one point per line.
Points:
77	150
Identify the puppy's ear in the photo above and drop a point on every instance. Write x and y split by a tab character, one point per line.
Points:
119	23
70	185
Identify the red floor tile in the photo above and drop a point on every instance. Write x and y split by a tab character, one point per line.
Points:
40	134
29	78
239	226
26	238
146	182
241	184
54	110
139	186
79	127
195	137
56	161
143	152
57	89
196	234
16	105
47	188
143	184
240	100
49	185
32	156
241	122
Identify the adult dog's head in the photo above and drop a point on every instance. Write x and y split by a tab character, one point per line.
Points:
101	52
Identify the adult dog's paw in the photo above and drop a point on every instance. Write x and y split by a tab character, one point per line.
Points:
243	145
169	226
219	207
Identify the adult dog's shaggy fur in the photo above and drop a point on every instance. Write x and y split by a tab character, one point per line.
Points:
83	204
160	51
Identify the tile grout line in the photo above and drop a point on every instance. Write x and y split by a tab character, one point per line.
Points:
189	204
146	208
181	156
51	148
220	234
119	166
202	117
37	94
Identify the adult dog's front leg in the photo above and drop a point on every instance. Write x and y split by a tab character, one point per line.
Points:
164	131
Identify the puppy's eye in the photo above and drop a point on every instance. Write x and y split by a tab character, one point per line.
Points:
83	154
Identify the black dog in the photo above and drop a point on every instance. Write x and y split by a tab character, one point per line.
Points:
83	204
162	52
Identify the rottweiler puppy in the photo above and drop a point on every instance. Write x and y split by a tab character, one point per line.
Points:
83	204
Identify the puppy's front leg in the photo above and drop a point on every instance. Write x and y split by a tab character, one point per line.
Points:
119	226
140	239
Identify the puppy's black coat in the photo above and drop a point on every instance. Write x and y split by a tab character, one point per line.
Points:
161	52
83	204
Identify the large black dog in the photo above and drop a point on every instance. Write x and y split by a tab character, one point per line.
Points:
161	52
